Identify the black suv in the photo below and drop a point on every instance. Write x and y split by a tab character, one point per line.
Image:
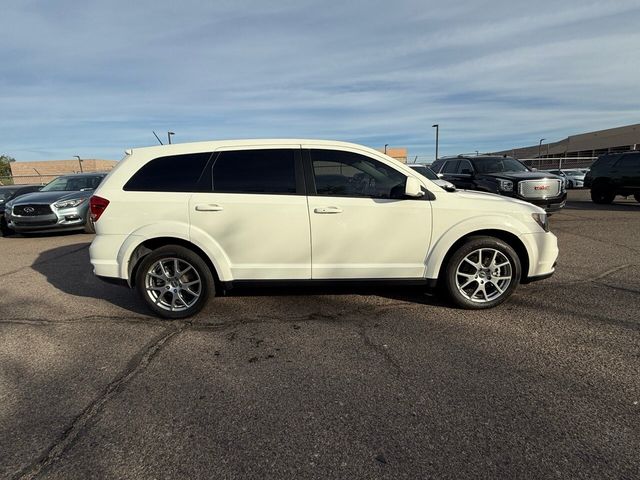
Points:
614	174
8	193
505	176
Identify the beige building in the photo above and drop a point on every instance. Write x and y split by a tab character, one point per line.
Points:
45	171
591	144
399	154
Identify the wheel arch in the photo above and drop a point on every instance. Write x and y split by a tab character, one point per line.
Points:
508	237
148	245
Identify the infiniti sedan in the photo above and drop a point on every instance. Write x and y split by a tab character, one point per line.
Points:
62	204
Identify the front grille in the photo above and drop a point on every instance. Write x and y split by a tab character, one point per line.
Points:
542	188
32	210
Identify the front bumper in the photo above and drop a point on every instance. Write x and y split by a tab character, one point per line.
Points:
542	248
550	205
58	220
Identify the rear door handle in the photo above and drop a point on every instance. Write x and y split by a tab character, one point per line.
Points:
328	210
208	207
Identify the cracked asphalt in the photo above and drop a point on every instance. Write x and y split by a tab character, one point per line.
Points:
271	385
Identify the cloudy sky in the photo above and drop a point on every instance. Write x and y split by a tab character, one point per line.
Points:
92	78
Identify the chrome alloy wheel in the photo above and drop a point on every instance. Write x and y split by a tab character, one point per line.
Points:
173	284
484	275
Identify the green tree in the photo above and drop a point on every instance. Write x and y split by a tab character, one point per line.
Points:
5	168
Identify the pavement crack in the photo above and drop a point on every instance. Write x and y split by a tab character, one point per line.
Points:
382	350
136	365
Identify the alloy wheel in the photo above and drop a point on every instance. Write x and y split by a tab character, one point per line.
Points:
484	275
173	284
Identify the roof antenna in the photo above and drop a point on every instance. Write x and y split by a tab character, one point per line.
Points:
158	138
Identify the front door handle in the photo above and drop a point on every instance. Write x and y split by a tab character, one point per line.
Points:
328	210
208	207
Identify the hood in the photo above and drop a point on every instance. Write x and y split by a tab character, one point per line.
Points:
522	175
479	197
49	197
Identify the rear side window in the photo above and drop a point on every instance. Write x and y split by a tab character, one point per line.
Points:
629	160
268	171
174	173
451	166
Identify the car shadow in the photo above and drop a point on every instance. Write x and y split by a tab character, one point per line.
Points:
69	270
616	206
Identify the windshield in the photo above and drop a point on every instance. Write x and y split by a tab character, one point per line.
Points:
498	165
5	194
426	172
71	184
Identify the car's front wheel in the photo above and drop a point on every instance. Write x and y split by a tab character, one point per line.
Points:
482	273
174	282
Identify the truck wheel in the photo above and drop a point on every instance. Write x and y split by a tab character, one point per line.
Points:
482	273
602	194
174	282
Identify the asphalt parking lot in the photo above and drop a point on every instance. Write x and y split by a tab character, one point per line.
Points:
392	385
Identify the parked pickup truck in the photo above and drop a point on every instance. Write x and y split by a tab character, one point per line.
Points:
505	176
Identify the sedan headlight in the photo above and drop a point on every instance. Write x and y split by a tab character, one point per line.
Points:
541	219
72	202
505	185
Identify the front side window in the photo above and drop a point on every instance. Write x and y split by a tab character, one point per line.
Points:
173	173
346	174
267	171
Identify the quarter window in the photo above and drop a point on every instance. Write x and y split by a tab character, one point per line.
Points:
464	167
346	174
174	173
268	171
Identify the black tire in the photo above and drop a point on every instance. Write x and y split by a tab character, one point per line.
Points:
602	194
89	226
155	291
637	196
570	184
5	231
467	291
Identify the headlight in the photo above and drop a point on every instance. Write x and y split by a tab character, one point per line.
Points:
72	202
505	185
541	219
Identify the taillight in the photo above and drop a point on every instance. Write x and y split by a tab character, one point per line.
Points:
97	205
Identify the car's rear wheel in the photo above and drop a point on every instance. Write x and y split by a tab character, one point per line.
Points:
174	282
89	226
482	273
602	194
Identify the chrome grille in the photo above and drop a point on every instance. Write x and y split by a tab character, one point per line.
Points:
542	188
31	210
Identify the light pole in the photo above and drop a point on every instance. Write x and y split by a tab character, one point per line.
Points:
540	145
79	162
437	127
169	136
477	153
385	148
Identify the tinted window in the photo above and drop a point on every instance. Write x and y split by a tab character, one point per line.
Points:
451	166
435	166
498	165
629	161
347	174
465	167
175	173
255	171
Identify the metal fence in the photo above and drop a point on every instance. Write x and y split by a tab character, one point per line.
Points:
30	179
539	163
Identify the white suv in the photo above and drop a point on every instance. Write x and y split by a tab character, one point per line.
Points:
183	222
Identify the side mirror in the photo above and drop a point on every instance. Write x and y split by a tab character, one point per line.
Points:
534	169
440	175
413	188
